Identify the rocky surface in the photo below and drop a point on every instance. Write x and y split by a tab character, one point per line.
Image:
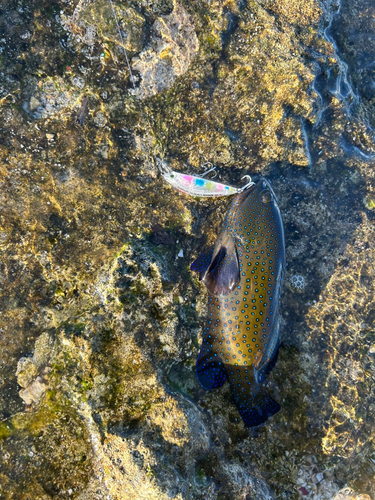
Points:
100	316
174	44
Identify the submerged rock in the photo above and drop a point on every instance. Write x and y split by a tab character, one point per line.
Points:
101	318
34	391
174	44
32	373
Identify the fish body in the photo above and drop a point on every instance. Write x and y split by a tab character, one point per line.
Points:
243	273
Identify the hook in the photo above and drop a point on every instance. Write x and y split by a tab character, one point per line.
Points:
250	183
212	169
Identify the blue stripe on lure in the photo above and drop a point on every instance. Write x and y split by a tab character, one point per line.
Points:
243	273
198	186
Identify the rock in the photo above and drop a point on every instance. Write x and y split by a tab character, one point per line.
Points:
319	477
51	97
34	391
28	368
97	19
34	103
174	44
349	494
26	371
161	237
107	321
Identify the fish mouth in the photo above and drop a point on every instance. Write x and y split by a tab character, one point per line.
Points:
269	187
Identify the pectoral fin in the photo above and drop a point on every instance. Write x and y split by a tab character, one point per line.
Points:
222	275
202	263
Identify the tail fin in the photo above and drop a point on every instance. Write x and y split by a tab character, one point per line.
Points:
258	410
253	403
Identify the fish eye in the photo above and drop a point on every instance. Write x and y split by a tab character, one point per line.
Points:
171	176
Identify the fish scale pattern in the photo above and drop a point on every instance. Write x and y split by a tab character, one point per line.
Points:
240	338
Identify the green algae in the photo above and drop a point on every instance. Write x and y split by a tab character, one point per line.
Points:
56	428
369	203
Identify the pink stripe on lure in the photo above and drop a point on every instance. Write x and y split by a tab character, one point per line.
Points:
198	186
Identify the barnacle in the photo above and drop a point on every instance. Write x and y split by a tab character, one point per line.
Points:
297	283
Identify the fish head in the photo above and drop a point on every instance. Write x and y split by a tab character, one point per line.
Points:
258	194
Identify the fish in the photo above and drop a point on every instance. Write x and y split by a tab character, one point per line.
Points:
243	273
82	113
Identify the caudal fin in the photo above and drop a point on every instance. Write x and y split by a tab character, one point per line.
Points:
258	410
253	403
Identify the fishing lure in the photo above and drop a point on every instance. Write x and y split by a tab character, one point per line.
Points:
198	186
189	184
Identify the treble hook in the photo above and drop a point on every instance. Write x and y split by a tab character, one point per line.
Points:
250	183
212	169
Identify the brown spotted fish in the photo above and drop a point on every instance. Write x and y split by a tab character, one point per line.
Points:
243	273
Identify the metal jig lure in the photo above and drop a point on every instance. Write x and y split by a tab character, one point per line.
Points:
198	186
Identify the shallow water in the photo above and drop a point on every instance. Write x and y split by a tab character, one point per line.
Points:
95	301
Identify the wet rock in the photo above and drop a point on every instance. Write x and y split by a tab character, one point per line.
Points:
93	20
99	312
33	391
26	371
51	97
174	44
32	373
161	237
349	494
